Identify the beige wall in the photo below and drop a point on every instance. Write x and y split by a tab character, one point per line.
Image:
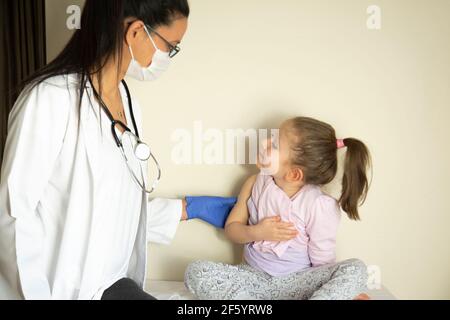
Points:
57	31
253	63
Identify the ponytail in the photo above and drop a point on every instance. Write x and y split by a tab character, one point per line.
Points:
354	183
315	151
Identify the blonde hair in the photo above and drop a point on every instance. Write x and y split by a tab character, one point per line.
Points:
315	152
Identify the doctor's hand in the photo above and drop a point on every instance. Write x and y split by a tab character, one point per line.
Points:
273	229
214	210
184	215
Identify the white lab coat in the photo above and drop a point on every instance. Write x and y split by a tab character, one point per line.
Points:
42	121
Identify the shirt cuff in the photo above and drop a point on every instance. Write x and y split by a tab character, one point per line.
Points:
164	216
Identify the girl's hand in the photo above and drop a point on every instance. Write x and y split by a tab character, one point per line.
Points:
273	229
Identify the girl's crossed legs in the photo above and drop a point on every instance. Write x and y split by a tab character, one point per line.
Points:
218	281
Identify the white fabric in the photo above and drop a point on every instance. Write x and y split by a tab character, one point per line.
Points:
160	63
71	223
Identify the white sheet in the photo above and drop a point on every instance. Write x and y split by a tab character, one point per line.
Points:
172	290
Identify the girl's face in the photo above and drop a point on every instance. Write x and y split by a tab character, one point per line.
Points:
275	154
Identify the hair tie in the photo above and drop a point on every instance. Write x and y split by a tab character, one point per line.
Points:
340	143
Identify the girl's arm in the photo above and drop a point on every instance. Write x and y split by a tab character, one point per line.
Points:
270	229
236	228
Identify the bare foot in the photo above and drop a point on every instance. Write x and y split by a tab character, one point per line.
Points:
362	296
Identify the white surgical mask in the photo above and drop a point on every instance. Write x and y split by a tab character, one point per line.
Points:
160	64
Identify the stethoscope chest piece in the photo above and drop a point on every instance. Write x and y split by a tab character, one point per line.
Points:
142	151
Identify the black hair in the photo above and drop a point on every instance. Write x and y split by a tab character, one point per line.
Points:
101	36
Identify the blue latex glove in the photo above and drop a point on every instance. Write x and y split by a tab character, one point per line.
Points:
213	210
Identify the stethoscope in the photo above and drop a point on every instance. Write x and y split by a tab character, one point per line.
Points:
141	151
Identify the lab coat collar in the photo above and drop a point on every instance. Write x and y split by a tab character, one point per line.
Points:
90	125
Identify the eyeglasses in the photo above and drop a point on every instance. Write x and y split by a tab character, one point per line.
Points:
173	50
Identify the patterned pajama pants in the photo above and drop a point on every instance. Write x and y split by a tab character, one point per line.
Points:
218	281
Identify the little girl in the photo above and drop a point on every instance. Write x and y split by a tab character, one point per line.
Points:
288	225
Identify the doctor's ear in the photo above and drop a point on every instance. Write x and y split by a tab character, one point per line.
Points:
133	29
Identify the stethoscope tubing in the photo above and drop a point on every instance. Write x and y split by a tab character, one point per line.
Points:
119	143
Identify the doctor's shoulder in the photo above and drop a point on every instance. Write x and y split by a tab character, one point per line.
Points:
53	97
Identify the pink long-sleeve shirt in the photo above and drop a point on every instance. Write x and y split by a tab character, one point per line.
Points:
315	215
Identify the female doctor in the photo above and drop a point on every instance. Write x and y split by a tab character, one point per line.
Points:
75	217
